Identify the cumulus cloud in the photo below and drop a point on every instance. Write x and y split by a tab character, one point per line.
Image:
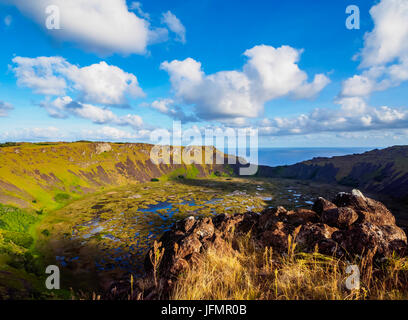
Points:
43	74
354	114
270	73
389	39
170	108
63	107
175	25
105	84
98	83
5	107
384	57
98	26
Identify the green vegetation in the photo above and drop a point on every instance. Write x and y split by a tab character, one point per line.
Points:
14	219
17	257
188	172
62	197
8	144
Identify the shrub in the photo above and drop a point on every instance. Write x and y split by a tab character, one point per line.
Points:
62	197
154	180
14	219
21	239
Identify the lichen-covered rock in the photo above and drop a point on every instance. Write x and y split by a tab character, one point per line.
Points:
342	217
351	224
311	235
364	237
367	209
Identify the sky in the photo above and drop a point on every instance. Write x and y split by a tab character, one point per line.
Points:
302	73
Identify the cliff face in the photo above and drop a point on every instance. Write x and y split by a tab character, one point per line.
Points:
378	171
43	175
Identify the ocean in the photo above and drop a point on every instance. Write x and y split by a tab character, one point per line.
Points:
288	156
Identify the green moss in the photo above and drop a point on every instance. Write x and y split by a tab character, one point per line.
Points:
14	219
19	238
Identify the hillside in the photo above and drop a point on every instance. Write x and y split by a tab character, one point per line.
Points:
378	171
42	176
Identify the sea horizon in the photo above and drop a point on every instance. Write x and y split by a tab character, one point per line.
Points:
280	156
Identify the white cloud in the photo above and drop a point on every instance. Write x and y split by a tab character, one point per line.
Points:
56	108
277	74
175	25
354	115
32	134
389	39
168	107
8	20
5	107
385	53
63	107
42	74
99	26
270	73
162	105
98	83
105	84
137	6
107	133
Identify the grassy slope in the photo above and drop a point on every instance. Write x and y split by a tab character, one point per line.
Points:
40	178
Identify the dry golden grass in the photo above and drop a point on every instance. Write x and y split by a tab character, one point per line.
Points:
251	273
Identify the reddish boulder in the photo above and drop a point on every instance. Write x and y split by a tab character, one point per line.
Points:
321	205
366	237
276	237
302	216
367	209
342	217
270	217
311	234
351	224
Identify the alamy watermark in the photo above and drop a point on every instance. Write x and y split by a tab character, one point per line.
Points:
53	281
203	147
353	20
53	17
353	280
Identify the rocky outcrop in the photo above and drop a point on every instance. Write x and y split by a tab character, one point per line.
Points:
350	224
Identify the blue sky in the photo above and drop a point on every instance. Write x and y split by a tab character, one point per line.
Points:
117	70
